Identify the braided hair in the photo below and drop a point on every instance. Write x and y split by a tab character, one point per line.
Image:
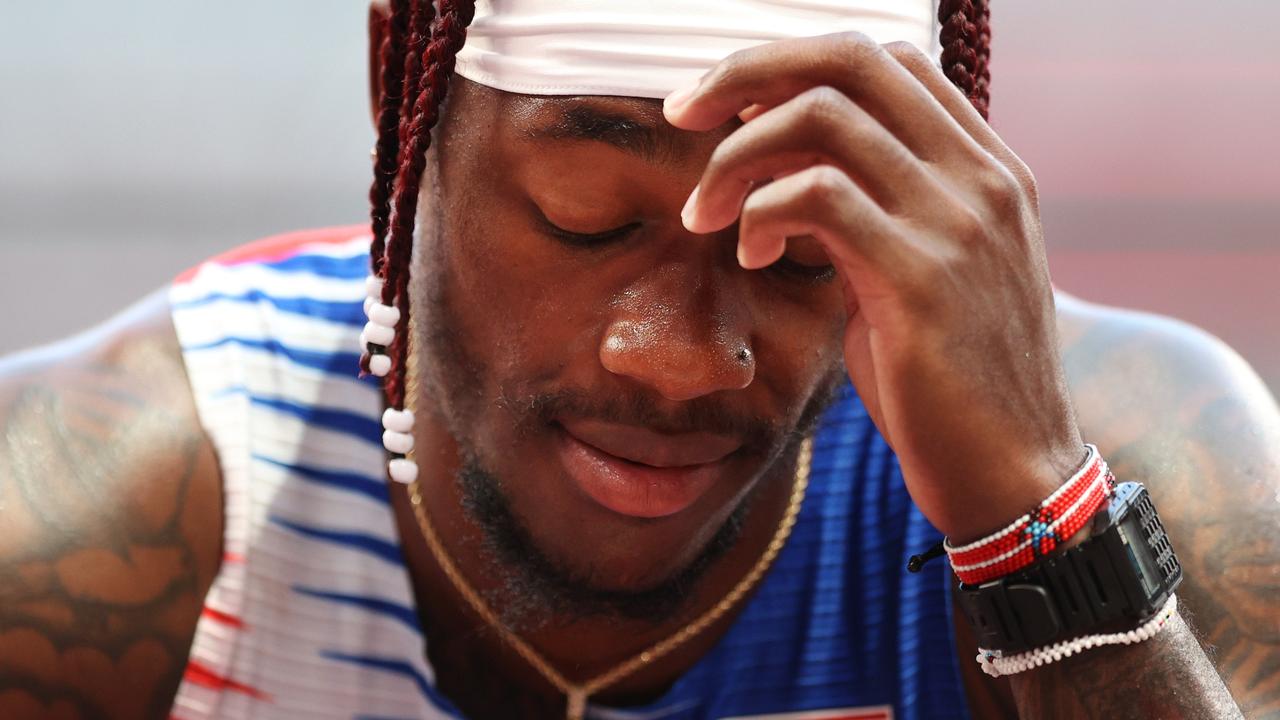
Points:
966	48
418	55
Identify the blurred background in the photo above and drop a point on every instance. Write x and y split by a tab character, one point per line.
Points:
138	138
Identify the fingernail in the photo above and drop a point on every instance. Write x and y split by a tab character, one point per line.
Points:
679	97
742	256
686	214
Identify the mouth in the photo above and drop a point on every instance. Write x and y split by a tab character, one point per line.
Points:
640	473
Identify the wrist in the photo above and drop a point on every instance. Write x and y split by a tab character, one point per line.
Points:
1007	495
1047	527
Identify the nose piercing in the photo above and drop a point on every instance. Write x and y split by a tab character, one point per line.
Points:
744	356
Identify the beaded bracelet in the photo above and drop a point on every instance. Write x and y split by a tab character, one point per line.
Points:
996	664
1039	532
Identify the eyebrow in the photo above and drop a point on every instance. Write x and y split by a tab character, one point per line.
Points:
582	122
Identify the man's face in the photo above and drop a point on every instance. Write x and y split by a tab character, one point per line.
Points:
617	385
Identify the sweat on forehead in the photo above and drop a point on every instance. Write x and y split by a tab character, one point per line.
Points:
631	125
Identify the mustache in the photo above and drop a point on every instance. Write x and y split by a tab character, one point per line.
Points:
705	414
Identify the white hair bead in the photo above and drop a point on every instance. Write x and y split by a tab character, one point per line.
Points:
397	442
379	365
379	335
367	303
400	421
373	286
384	315
403	470
364	341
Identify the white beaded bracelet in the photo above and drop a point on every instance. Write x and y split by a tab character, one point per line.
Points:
995	664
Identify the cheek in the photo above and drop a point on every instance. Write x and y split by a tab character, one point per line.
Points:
528	314
798	335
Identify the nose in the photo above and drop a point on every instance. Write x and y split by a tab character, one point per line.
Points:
683	342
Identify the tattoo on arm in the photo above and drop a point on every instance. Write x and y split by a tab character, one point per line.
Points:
1210	456
1166	677
109	536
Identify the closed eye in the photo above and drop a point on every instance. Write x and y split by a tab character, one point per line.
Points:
579	239
816	274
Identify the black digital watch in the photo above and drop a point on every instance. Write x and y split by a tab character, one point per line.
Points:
1113	581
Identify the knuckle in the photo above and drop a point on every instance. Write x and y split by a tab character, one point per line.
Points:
970	227
823	184
757	214
737	66
1000	186
723	72
723	156
856	44
854	52
907	54
824	104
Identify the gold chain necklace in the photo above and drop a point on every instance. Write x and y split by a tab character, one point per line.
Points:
577	694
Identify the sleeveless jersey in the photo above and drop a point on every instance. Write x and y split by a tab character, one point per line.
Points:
312	616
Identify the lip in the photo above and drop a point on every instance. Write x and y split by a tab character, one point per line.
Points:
640	473
650	447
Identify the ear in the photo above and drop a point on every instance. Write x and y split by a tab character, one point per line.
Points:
379	20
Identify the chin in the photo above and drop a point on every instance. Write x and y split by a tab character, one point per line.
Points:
579	557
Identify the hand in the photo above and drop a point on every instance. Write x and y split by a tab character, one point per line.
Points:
933	227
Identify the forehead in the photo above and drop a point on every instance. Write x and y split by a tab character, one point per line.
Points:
542	123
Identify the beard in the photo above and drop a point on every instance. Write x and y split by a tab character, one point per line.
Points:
536	587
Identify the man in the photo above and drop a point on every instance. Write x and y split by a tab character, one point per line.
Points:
637	483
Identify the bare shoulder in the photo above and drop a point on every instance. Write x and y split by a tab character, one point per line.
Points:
1176	409
111	509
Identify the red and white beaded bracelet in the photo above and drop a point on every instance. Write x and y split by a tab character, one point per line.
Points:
1038	532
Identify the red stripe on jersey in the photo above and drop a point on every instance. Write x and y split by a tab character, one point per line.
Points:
198	674
224	618
279	247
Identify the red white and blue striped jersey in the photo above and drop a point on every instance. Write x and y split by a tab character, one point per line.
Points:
312	615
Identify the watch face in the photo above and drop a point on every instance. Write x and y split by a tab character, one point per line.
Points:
1143	566
1146	544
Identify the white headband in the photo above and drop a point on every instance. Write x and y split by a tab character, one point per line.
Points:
650	48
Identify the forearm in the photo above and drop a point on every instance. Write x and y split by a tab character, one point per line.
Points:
1167	677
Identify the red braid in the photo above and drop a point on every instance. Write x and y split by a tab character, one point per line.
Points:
983	48
429	55
387	150
966	48
422	15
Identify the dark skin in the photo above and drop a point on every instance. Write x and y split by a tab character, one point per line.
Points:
110	501
1166	404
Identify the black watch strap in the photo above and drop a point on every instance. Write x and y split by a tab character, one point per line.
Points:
1119	577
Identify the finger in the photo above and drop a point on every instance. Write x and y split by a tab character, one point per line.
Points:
752	112
820	126
931	77
850	62
862	241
